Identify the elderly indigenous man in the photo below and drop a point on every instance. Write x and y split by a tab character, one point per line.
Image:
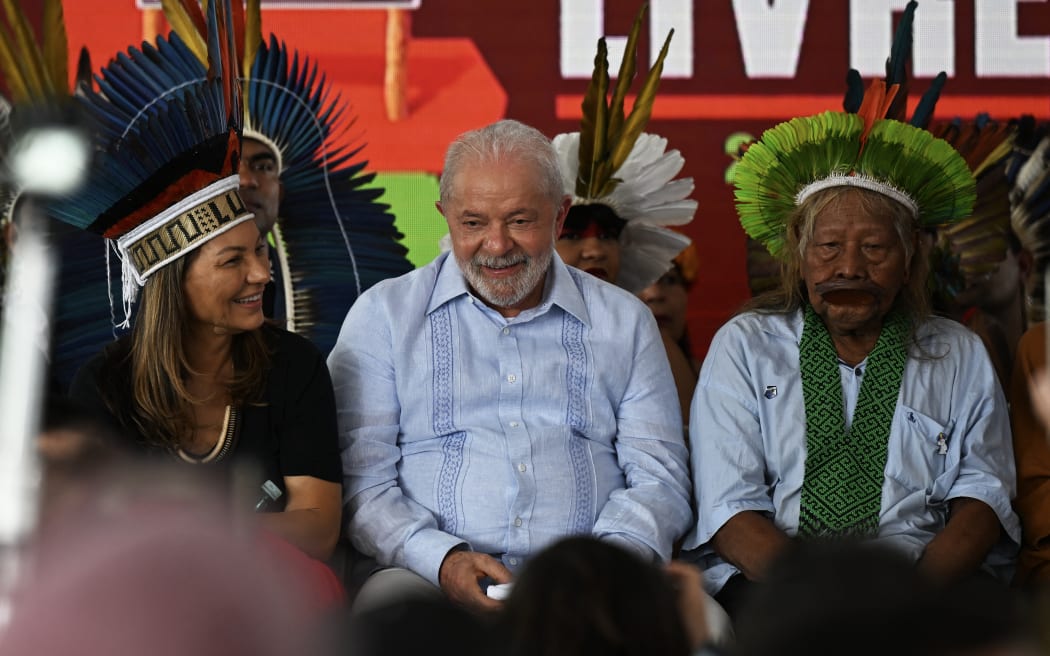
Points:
497	400
836	406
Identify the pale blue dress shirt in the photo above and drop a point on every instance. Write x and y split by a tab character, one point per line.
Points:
459	426
950	437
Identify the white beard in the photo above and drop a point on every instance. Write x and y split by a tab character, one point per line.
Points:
511	291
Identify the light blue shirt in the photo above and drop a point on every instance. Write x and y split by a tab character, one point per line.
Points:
458	425
748	434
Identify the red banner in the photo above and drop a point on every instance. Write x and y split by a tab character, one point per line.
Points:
734	65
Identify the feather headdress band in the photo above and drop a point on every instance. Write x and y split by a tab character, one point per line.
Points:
794	159
611	161
164	180
333	239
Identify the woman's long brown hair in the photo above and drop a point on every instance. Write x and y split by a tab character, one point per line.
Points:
162	404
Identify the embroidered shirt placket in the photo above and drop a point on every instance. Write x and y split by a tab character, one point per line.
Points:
519	445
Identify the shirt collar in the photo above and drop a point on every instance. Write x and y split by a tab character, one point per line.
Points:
450	282
560	287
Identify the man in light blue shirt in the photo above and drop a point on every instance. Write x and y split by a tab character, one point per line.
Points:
497	400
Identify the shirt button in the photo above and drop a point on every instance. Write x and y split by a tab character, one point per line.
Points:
511	378
506	331
522	467
513	424
512	561
517	521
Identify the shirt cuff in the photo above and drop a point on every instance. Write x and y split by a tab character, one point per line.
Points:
633	546
426	550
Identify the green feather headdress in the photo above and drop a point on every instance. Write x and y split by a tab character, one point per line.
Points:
796	159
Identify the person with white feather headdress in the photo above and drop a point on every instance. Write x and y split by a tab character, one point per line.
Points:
621	180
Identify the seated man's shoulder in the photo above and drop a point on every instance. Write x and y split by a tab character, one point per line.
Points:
417	283
751	325
602	296
939	332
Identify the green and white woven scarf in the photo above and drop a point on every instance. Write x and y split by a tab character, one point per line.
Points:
842	489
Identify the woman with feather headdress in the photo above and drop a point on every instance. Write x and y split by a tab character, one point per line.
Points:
201	378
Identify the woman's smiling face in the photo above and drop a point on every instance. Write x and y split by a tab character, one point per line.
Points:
224	282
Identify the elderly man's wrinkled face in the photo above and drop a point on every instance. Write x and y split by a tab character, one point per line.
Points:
261	187
503	229
854	266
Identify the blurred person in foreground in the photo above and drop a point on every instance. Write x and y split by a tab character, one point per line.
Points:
583	596
497	400
136	571
201	379
850	597
837	406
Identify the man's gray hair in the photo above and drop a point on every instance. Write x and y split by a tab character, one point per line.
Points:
504	139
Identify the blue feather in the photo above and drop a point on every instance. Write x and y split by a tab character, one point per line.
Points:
290	101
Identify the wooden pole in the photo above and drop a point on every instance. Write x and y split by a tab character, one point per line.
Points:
395	78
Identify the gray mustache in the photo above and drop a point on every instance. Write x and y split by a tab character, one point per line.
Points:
823	288
499	262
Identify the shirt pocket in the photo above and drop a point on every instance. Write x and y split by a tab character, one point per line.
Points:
922	454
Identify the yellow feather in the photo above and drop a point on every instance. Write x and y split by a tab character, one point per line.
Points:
640	113
252	35
56	47
26	48
594	122
183	25
12	72
626	75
